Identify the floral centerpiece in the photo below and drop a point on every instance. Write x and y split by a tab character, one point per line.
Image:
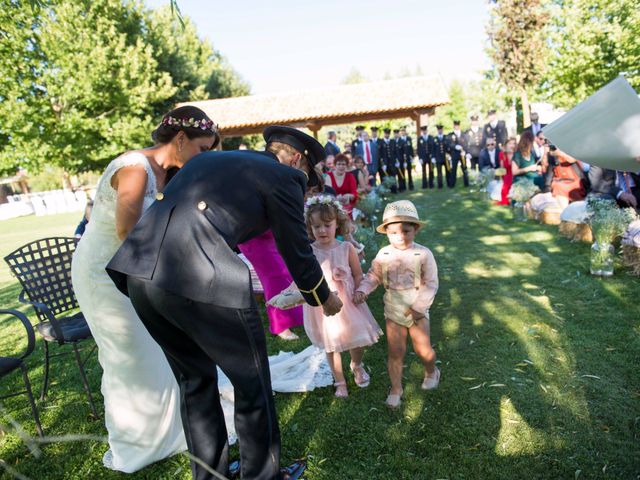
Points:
480	180
369	205
520	193
607	223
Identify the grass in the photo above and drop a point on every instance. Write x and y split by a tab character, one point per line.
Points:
539	370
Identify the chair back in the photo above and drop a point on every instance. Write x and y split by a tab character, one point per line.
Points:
43	268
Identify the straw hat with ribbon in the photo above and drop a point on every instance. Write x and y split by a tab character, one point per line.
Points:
401	211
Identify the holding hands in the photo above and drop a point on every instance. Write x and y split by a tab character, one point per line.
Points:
359	297
332	305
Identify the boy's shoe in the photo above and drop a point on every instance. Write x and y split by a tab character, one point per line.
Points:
432	380
393	400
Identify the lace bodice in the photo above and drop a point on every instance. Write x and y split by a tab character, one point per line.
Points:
100	237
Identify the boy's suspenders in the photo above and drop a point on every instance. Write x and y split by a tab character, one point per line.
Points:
417	269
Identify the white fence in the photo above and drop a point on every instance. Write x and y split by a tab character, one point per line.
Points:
43	203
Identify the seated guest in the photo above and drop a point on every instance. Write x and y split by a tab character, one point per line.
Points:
524	165
506	156
490	155
629	195
539	142
343	183
565	178
361	174
603	183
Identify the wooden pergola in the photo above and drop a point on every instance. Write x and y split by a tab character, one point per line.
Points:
413	98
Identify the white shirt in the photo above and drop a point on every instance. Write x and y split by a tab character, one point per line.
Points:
494	124
492	156
475	129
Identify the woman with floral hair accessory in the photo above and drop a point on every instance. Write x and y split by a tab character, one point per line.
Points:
141	395
354	328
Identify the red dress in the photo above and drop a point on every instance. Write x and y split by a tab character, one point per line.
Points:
348	186
507	180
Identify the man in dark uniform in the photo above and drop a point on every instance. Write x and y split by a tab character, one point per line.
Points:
473	142
423	156
357	142
387	157
407	155
331	147
193	293
455	148
437	150
377	143
398	155
495	129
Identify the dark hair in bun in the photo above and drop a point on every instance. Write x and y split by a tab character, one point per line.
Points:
188	119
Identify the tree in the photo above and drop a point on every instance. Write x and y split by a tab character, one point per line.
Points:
354	76
518	47
592	42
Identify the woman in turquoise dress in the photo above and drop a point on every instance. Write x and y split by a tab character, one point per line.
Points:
524	165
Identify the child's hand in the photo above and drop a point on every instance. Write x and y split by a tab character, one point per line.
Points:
413	314
359	297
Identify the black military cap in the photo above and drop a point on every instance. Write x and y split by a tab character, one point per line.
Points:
439	126
456	122
423	128
374	129
395	130
359	128
491	112
305	144
474	117
387	130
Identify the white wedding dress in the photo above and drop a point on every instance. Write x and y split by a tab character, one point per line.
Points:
141	395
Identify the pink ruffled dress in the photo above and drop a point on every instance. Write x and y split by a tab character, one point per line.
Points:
354	326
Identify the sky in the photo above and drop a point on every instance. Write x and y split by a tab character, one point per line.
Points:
285	45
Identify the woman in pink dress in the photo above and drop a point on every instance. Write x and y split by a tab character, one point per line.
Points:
505	162
344	183
263	254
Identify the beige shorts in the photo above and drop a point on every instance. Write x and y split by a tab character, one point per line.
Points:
396	303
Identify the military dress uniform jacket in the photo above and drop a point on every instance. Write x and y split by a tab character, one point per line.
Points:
473	142
499	133
438	149
407	152
454	140
423	147
387	155
184	242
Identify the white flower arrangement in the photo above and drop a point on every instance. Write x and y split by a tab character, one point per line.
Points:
522	191
323	200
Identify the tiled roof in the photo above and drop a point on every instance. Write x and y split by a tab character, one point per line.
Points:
333	105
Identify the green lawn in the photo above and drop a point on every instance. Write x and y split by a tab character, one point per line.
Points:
539	368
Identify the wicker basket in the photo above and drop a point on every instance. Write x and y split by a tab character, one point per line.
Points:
576	232
530	212
551	216
631	258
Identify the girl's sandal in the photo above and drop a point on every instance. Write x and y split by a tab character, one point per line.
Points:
361	376
393	400
341	389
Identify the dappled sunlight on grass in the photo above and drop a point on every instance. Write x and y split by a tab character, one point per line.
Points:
517	437
524	237
511	265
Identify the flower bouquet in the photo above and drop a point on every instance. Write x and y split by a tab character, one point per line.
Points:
520	193
631	247
480	180
368	205
368	238
607	223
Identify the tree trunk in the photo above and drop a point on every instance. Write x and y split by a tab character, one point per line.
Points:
526	109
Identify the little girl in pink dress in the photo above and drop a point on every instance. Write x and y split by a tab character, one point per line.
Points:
354	327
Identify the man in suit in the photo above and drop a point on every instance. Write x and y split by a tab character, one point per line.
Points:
357	141
424	158
535	126
331	147
377	142
438	151
368	150
387	157
495	129
194	295
629	185
490	155
455	148
407	155
398	154
603	183
473	142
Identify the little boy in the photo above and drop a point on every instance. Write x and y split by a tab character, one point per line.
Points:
409	274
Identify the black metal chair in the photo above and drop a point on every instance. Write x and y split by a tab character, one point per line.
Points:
43	268
9	364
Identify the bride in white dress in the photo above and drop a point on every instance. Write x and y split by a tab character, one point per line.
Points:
141	395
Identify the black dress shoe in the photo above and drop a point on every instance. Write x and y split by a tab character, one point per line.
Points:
293	471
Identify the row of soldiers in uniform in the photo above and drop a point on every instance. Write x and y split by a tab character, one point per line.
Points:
436	153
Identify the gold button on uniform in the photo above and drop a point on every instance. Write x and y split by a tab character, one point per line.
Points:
159	196
202	206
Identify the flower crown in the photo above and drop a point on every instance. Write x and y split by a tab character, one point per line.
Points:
323	200
191	123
